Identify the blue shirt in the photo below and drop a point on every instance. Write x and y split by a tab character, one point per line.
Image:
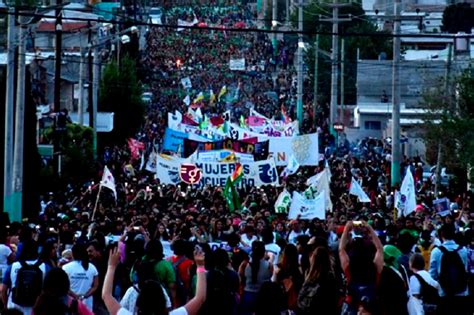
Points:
435	262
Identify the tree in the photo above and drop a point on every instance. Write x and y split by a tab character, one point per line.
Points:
77	163
120	92
449	125
458	18
370	47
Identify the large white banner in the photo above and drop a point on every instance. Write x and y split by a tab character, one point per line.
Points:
307	209
219	155
304	148
237	64
216	173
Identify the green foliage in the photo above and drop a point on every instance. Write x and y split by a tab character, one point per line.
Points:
76	147
458	18
450	124
120	92
370	47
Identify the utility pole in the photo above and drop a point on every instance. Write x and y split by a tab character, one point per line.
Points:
58	57
287	12
316	73
274	27
57	84
335	57
9	119
447	94
396	149
90	80
299	90
95	91
17	196
342	80
80	108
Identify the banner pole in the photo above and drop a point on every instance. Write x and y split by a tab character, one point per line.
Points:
96	202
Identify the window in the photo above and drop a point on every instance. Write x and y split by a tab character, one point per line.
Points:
373	125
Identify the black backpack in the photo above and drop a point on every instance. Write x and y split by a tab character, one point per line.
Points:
308	296
28	285
453	275
429	294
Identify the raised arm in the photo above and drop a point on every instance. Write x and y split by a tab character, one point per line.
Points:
343	256
194	305
113	306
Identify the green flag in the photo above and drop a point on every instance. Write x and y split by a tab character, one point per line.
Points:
283	202
231	196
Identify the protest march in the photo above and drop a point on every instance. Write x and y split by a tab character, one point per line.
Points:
224	203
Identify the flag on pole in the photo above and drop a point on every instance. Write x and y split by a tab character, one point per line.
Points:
291	168
135	146
108	181
222	92
150	165
142	161
231	196
198	98
283	202
356	190
405	200
187	100
307	209
321	182
212	97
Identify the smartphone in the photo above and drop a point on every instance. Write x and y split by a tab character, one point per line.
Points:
136	228
357	223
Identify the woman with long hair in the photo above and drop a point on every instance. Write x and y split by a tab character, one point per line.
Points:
55	299
253	274
288	275
319	294
151	300
83	276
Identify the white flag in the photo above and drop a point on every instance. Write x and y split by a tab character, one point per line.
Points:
283	202
151	163
321	182
406	199
307	209
187	100
356	190
108	181
291	168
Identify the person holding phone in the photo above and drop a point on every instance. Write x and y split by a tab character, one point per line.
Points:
151	299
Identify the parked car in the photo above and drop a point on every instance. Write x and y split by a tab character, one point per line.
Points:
429	172
147	97
155	15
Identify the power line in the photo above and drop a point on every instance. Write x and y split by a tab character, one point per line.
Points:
256	30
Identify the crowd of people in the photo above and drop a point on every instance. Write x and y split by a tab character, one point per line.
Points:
177	249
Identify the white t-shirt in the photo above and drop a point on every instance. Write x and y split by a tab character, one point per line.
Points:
275	249
178	311
293	235
244	238
129	300
415	285
5	251
16	266
81	279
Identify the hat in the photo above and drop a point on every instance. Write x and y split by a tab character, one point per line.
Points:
391	254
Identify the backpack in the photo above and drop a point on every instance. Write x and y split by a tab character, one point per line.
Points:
429	294
307	297
28	285
181	292
453	275
426	253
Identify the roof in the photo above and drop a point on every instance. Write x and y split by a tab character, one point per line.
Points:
31	56
64	77
46	26
105	120
386	108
